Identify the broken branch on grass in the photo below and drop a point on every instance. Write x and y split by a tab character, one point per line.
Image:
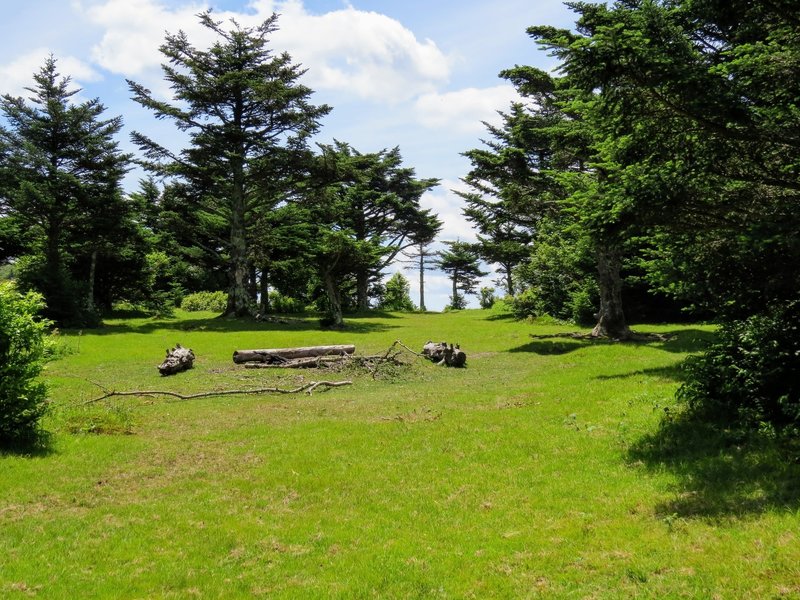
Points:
308	388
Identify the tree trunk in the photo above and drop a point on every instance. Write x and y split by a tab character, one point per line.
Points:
238	293
509	281
252	281
90	291
422	281
53	255
454	300
264	290
362	290
334	301
611	318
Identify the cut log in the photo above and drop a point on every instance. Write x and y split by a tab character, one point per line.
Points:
178	359
278	355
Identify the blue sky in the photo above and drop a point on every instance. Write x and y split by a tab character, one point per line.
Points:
417	74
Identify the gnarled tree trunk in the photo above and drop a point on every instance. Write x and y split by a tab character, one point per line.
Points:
611	318
334	301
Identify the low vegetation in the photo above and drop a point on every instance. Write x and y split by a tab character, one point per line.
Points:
546	468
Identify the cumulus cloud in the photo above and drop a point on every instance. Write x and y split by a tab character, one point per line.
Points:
133	32
18	74
464	111
363	53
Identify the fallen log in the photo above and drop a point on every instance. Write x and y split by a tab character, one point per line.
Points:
298	363
178	359
279	355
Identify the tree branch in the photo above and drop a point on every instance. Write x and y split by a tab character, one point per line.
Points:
308	388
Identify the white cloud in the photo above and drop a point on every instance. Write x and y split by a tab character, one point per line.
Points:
135	30
366	54
465	110
18	74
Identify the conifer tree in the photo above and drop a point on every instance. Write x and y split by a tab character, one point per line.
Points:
60	168
248	118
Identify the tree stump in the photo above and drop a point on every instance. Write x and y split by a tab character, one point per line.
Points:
178	359
443	354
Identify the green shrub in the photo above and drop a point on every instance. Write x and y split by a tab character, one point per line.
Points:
486	298
459	302
750	376
279	303
23	348
211	301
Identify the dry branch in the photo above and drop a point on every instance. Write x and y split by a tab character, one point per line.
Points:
308	388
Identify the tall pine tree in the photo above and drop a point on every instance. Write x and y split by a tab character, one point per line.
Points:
248	119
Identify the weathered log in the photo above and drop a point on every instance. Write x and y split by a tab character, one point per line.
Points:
278	355
178	359
297	363
442	354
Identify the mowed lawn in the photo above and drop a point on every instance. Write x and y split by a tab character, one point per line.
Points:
540	470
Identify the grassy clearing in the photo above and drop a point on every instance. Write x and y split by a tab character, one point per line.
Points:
539	471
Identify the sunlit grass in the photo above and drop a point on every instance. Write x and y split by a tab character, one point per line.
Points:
535	472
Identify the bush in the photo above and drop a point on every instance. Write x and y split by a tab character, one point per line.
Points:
279	303
459	302
749	376
23	348
211	301
487	298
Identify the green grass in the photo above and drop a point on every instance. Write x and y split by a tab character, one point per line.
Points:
541	470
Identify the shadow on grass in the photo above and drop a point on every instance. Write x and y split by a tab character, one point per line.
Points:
506	316
672	372
678	341
720	474
219	324
40	447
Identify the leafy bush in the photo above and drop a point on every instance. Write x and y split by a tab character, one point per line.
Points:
486	297
211	301
750	376
23	348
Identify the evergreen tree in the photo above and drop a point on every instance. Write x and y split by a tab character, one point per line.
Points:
461	263
693	105
60	171
248	119
378	204
396	296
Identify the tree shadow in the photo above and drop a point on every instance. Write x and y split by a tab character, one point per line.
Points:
39	447
678	341
720	474
672	372
506	316
557	346
225	325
